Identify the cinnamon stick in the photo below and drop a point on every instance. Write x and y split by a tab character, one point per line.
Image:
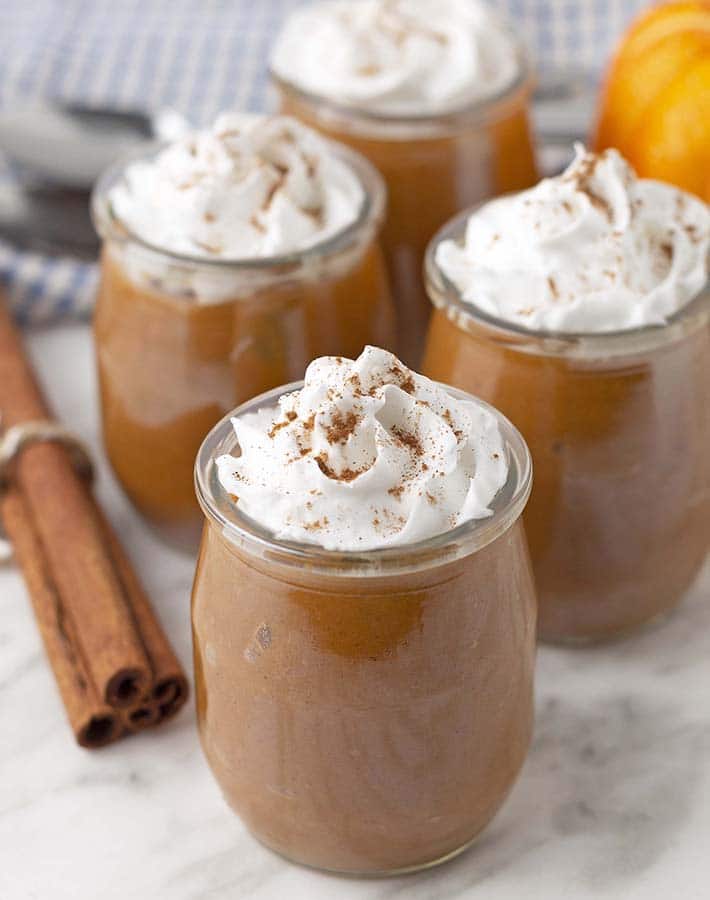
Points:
145	715
93	723
61	509
114	666
169	685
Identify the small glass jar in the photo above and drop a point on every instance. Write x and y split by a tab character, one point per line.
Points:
181	340
618	426
434	166
364	712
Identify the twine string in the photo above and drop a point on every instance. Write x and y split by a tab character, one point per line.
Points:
17	438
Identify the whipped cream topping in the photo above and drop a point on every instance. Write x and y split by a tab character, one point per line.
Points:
252	186
594	250
367	454
402	57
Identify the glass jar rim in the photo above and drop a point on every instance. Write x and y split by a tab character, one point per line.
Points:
446	296
109	227
472	113
467	538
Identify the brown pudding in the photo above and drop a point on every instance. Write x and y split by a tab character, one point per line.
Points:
433	167
180	341
619	431
364	712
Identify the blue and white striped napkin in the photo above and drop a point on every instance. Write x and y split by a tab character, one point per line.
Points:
200	57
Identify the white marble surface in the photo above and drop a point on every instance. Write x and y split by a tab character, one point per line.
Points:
614	801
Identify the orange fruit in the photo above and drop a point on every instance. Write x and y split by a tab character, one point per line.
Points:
655	106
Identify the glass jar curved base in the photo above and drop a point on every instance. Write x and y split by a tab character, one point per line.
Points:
622	633
377	873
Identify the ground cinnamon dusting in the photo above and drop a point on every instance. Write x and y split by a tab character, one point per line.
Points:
345	475
369	70
318	525
311	164
209	248
256	224
275	187
277	426
581	181
317	214
408	439
404	382
341	427
693	233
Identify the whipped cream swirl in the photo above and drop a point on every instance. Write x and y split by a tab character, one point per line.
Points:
367	454
399	57
252	186
594	250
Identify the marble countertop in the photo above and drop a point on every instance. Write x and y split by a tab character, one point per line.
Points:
613	802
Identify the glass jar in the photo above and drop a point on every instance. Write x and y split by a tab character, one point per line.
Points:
618	426
364	712
434	166
181	340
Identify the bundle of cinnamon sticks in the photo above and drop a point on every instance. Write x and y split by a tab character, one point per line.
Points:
114	667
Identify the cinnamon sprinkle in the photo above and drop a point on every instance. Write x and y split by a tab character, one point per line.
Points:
318	525
667	251
369	70
345	475
404	382
354	380
277	426
256	224
408	440
317	214
275	187
341	427
209	248
581	181
311	164
693	233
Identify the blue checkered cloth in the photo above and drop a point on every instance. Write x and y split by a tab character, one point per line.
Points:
200	57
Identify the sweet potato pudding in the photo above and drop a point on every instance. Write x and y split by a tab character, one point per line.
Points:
435	94
230	260
580	309
364	615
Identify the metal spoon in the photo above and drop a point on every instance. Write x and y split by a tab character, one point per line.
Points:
55	151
